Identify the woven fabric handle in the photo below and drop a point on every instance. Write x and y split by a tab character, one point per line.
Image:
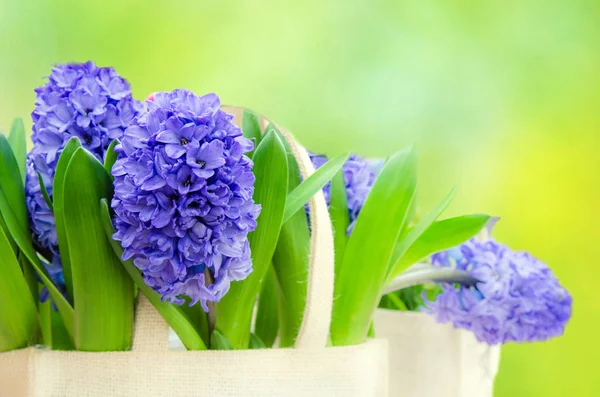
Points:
151	331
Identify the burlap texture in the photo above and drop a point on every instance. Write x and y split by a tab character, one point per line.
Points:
150	370
431	360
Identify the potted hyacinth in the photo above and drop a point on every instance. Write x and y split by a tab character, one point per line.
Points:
172	205
516	298
178	188
454	294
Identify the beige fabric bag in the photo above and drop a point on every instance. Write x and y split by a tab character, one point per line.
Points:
431	360
309	369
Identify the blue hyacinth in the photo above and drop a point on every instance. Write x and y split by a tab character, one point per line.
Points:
517	300
183	197
82	100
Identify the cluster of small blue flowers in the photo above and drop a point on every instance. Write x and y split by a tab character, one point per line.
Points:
183	197
517	300
82	100
358	177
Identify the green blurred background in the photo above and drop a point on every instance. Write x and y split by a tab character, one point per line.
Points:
502	99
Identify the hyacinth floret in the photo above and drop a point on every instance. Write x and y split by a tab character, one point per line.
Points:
183	197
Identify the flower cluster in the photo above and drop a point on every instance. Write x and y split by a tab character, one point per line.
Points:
517	300
82	100
358	177
183	197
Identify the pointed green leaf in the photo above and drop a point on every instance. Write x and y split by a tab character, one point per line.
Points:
267	319
198	318
18	143
303	192
102	289
251	129
340	218
14	214
234	311
55	335
393	302
23	240
30	277
218	341
361	276
290	262
45	310
59	205
173	314
395	268
110	157
4	228
256	342
18	313
11	182
442	235
45	192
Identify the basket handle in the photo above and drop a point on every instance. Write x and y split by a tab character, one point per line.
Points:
151	331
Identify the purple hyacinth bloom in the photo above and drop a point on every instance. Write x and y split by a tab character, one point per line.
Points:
517	300
92	103
183	197
358	177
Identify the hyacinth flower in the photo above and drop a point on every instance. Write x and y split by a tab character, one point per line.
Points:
91	103
187	198
517	298
183	198
358	178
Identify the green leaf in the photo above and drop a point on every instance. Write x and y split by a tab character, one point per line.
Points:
442	235
391	301
340	218
11	182
395	268
23	240
60	337
45	310
267	318
18	143
198	318
251	129
18	312
173	314
14	213
362	274
58	194
45	192
425	273
30	277
303	192
256	342
234	311
53	329
110	157
218	341
290	262
102	289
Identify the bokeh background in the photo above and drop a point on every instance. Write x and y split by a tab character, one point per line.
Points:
501	98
